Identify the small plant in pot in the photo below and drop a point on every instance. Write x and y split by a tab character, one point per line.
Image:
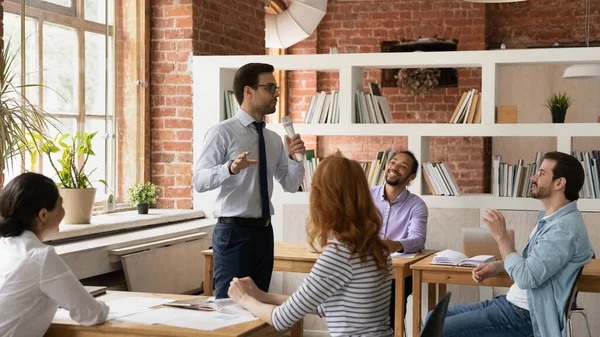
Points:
74	184
143	195
558	105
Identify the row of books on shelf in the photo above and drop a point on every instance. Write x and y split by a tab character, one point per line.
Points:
514	180
439	179
323	108
468	109
591	184
374	170
231	104
371	108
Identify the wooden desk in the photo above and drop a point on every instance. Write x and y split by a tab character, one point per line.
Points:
68	328
424	271
296	257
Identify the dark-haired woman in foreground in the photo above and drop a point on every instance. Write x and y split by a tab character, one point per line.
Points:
34	280
350	282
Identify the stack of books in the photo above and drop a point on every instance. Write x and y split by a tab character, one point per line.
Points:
439	179
468	109
372	107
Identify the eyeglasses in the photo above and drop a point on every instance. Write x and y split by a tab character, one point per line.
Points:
271	87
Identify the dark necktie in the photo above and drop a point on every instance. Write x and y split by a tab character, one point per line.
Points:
262	171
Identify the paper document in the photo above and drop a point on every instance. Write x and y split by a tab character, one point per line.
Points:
203	320
138	302
403	255
153	316
225	305
115	312
191	319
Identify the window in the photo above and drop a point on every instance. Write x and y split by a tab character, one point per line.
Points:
70	50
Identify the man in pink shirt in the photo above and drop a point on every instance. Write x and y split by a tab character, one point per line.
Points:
404	215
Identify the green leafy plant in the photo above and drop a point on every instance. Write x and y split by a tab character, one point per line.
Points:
73	149
20	120
558	104
144	193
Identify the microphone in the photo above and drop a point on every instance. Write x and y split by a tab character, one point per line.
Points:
286	121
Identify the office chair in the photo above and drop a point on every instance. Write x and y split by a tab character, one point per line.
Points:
572	308
434	325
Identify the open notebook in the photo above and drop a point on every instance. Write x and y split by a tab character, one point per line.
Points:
454	258
225	305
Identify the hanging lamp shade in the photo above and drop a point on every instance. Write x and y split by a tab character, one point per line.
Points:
582	71
295	24
494	1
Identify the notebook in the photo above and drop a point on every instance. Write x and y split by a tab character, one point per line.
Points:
479	241
453	258
225	305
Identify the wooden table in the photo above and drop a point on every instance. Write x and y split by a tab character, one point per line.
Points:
68	328
425	272
297	257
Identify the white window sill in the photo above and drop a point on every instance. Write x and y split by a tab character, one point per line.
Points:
111	222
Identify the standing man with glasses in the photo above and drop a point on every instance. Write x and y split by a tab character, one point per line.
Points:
241	157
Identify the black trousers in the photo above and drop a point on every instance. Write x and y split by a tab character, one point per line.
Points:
241	251
407	292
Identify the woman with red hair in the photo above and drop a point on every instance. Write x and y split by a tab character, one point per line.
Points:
350	282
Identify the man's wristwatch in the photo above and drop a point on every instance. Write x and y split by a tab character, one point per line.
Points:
229	167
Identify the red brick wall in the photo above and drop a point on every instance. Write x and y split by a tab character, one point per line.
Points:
181	28
541	23
360	27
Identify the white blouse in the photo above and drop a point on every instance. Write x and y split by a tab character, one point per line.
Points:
34	282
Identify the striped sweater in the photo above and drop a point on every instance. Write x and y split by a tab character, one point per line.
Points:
352	296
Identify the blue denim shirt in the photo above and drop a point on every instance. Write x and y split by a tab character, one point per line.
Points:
549	265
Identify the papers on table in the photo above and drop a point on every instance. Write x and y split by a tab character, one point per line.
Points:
184	318
123	307
139	310
403	255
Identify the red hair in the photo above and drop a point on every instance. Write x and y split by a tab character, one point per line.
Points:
341	203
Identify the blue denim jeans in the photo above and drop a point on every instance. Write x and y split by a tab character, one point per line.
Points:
495	318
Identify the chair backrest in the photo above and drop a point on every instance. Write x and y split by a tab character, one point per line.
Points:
572	300
434	325
479	241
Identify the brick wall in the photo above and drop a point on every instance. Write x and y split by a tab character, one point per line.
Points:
361	27
181	28
541	23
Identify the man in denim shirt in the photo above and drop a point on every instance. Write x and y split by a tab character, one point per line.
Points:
558	247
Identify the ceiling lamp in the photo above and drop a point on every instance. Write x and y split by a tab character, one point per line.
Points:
293	24
494	1
584	70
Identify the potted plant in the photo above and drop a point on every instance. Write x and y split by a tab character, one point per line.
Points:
19	118
558	105
143	195
419	81
74	184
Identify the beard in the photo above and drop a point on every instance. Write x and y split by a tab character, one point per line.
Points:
268	108
541	193
397	181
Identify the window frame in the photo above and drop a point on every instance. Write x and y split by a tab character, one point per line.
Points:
74	18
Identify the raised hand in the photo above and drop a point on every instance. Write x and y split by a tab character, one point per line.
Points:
242	162
496	223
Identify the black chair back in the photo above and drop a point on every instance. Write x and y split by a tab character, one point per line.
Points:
572	300
434	325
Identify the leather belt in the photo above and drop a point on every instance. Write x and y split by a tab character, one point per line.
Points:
252	222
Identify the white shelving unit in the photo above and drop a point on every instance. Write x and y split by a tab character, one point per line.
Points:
214	74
